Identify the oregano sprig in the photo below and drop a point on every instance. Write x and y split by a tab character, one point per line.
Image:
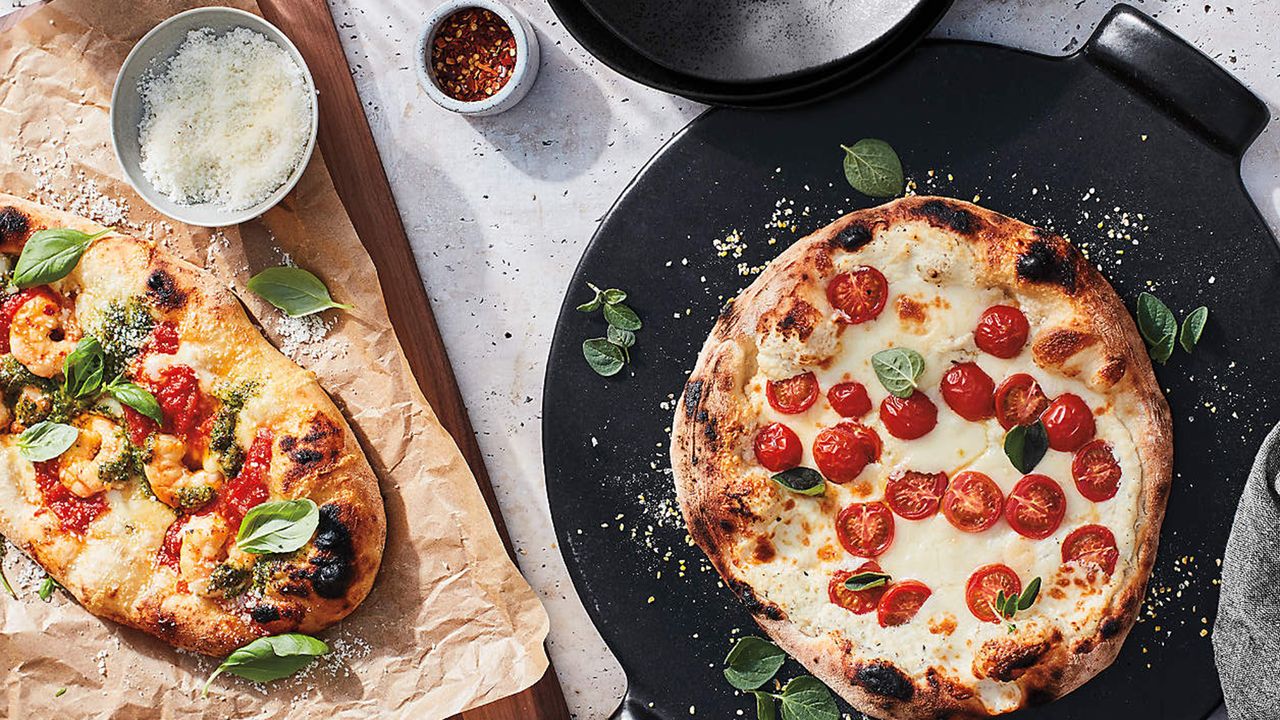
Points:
1159	327
872	167
898	370
753	661
607	355
1005	607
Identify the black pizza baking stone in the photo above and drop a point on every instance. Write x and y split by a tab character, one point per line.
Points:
801	87
747	41
1137	129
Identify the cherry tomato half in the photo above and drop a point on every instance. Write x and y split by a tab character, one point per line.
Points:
859	294
901	602
865	529
858	602
1002	331
840	454
1068	422
793	395
1019	401
985	585
849	399
1096	471
867	437
915	495
973	502
908	418
969	391
1035	507
1091	545
778	448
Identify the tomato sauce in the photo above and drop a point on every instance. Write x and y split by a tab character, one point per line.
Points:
249	488
138	427
172	545
74	513
180	398
164	339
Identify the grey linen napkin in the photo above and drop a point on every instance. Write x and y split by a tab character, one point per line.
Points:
1246	635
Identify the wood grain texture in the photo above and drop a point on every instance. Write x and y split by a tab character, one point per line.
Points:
352	158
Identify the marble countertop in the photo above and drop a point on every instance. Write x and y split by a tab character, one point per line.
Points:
499	210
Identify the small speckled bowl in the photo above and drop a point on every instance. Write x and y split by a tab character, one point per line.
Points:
126	110
522	75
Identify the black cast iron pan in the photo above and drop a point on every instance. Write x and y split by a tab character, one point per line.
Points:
797	87
1137	127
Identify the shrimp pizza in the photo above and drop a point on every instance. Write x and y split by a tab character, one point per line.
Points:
158	457
927	450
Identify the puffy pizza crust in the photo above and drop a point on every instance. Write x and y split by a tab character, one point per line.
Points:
112	570
1082	339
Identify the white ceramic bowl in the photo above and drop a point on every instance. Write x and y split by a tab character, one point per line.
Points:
158	46
522	75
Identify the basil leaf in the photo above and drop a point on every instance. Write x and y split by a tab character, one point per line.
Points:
1029	594
898	369
278	526
46	440
47	587
613	296
621	338
4	581
621	317
293	290
83	368
1193	328
1157	325
51	255
766	707
1025	445
751	662
270	658
802	480
603	356
136	397
806	698
873	168
866	581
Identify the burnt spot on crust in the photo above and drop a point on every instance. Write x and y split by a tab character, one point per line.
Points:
949	216
14	225
1111	627
263	614
163	290
166	623
315	451
1040	696
332	566
798	321
1041	263
709	428
753	604
853	237
1056	346
692	396
882	678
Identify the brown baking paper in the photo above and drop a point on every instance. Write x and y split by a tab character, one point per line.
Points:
449	625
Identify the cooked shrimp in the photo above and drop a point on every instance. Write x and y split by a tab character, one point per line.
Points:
6	417
204	546
99	442
42	335
173	483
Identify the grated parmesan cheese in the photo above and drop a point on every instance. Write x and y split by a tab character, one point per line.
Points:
225	120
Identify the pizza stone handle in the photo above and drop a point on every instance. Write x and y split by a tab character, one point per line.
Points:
1177	78
633	708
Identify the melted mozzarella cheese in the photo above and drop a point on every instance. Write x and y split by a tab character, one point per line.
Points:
939	284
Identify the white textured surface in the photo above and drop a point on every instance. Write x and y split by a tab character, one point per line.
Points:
499	210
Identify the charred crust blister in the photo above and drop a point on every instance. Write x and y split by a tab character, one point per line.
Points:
1041	263
163	290
331	567
853	237
314	452
1111	627
949	216
692	396
13	224
884	679
264	613
752	603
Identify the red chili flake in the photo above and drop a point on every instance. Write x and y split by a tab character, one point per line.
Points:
473	54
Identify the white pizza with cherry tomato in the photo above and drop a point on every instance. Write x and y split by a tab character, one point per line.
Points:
927	450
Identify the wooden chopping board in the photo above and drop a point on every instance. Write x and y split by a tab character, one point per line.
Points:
352	158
